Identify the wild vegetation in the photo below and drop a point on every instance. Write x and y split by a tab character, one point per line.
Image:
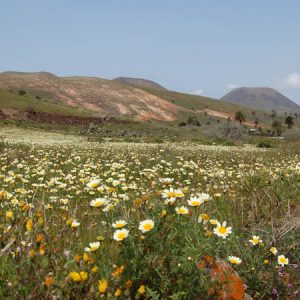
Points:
86	220
19	102
97	205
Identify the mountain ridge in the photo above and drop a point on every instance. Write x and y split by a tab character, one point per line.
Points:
264	98
104	97
91	93
139	82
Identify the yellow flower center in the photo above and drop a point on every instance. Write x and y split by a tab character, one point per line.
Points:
121	235
282	260
204	217
222	230
147	227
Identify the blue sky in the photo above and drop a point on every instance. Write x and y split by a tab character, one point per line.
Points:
203	46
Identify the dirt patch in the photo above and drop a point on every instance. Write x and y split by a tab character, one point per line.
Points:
226	115
52	118
92	106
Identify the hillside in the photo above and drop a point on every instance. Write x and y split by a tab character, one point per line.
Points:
47	92
204	106
139	82
91	93
13	104
266	99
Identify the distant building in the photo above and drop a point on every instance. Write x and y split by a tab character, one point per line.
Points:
252	130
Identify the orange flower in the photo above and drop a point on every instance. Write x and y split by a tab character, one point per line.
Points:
39	213
88	258
48	281
25	207
42	249
129	284
2	194
118	271
31	253
77	258
137	202
39	238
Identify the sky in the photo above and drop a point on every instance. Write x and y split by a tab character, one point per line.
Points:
205	47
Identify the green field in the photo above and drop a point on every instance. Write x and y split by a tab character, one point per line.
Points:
9	100
73	211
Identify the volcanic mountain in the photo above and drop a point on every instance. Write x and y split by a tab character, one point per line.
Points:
264	98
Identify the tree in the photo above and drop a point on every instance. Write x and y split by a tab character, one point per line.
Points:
274	113
289	121
192	121
239	116
277	128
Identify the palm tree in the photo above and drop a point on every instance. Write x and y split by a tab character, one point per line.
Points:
277	128
239	116
289	121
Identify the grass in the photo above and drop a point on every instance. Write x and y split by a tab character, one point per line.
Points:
198	103
69	193
10	100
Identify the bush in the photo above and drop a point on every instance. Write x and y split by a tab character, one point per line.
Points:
2	145
229	130
263	145
21	92
223	142
292	134
182	124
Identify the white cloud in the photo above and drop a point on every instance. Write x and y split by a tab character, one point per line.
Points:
291	82
232	86
198	92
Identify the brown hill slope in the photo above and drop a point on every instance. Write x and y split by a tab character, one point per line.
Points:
91	93
94	96
139	82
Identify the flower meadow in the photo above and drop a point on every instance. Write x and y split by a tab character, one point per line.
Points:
147	221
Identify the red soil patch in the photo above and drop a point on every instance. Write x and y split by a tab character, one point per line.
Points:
226	115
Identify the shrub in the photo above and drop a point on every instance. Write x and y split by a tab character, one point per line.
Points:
2	145
263	145
277	128
21	92
239	116
292	134
229	130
